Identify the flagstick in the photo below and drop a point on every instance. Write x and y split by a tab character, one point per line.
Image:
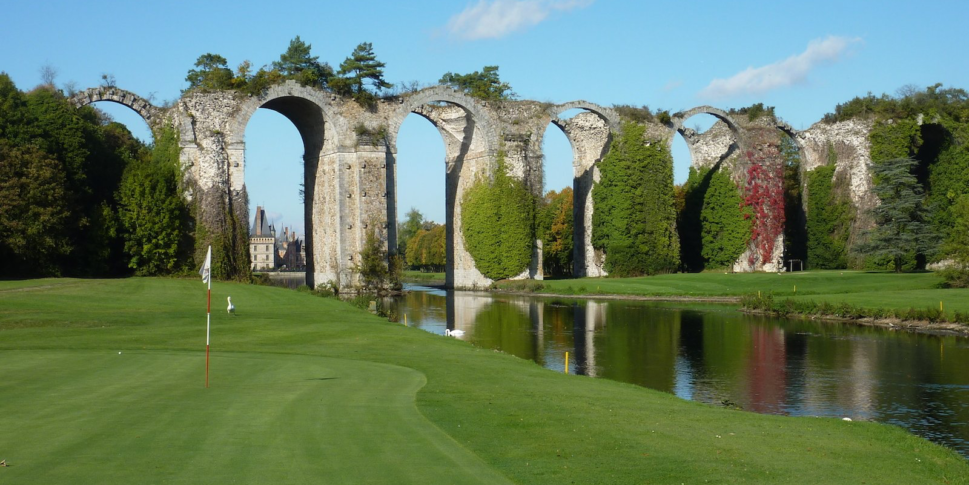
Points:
206	273
208	320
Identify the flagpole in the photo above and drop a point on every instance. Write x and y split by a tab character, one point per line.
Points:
206	273
208	322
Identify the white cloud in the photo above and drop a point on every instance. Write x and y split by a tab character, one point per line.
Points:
672	84
275	218
790	71
497	18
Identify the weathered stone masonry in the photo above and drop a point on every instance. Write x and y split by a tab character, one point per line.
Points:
350	161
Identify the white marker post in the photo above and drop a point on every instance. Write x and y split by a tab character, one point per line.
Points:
206	273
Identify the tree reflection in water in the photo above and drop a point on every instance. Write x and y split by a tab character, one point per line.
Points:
716	355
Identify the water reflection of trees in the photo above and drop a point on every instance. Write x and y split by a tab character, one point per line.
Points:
422	308
761	364
639	345
501	325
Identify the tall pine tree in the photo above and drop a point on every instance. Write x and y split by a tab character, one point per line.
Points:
361	75
901	229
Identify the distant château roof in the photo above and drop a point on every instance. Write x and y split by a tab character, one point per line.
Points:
261	226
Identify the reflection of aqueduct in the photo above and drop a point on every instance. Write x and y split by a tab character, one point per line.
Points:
350	160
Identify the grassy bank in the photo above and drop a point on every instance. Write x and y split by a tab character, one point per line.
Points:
420	277
310	390
867	292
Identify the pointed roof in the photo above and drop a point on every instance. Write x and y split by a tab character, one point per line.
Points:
260	226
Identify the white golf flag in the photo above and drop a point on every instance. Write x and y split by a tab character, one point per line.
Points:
206	270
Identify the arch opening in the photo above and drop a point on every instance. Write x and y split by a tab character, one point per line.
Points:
419	202
556	212
468	154
588	131
284	139
131	119
795	215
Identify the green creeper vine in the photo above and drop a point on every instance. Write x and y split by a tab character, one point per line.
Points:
497	219
634	220
829	217
725	222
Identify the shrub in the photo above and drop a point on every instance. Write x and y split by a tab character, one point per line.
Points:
377	272
955	277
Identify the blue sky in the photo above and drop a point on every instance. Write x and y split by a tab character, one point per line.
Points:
803	58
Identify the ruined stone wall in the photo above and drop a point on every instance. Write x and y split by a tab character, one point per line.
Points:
590	137
351	168
213	173
846	145
710	147
725	146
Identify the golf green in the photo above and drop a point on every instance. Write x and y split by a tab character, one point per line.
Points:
145	417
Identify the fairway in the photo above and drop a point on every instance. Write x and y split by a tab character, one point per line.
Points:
313	390
122	418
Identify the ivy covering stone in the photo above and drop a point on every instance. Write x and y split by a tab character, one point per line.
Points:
498	224
829	217
634	221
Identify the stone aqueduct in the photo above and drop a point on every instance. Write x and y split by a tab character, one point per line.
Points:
350	159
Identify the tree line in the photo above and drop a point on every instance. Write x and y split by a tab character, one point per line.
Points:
80	196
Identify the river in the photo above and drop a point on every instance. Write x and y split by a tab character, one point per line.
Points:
717	355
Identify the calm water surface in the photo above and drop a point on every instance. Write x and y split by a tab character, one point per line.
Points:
717	355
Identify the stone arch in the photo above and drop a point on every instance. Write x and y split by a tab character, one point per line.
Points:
691	136
471	143
303	101
607	114
412	104
312	113
580	159
589	135
787	129
680	117
148	112
795	135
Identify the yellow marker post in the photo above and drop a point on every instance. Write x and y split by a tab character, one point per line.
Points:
795	289
940	306
405	319
566	362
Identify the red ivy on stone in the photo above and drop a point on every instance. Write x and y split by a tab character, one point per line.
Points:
764	194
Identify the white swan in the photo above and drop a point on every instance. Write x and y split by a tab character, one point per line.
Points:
231	308
453	333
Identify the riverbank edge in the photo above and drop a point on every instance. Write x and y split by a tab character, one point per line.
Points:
919	326
617	296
